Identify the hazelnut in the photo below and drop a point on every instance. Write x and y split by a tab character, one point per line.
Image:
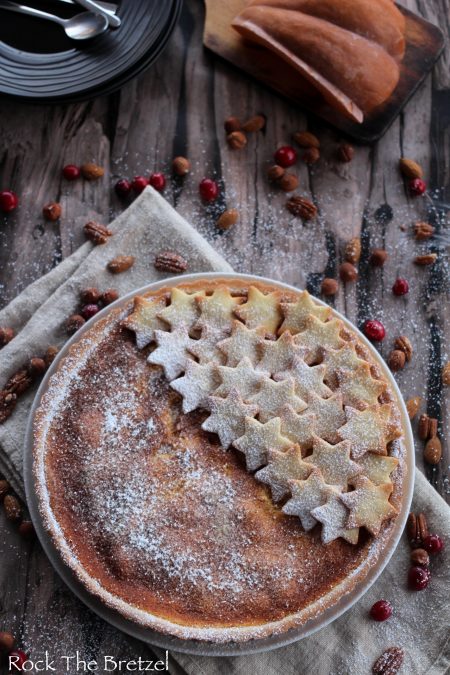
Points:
396	360
348	272
329	286
7	642
345	152
36	367
6	335
227	219
52	211
232	124
311	155
420	557
237	140
275	172
378	257
181	166
74	323
109	296
90	296
50	355
288	182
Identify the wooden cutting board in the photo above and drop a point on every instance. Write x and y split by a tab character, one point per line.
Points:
424	45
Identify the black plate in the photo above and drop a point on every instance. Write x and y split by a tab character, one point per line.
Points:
39	63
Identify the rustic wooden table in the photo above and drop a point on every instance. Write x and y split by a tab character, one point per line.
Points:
178	107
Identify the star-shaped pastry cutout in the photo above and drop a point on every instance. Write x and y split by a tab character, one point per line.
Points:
227	418
244	378
144	319
334	515
319	336
282	469
205	349
307	495
377	468
330	415
272	397
306	378
259	439
369	505
334	462
244	342
197	383
216	310
183	308
345	358
359	389
172	351
367	430
261	310
297	313
298	428
277	355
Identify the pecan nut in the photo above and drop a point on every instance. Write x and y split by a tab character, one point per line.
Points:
98	234
396	360
423	230
19	382
302	207
8	402
169	261
120	264
428	427
390	662
404	345
417	529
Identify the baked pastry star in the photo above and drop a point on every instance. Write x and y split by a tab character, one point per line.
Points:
261	310
369	505
197	383
283	468
227	418
272	397
297	313
172	351
144	319
334	462
306	496
259	439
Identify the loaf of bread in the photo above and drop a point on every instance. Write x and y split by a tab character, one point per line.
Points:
349	49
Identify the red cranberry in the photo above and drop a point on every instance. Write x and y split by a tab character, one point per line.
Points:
209	190
418	578
374	330
139	184
417	187
123	188
71	172
17	658
433	544
8	201
400	287
157	181
381	610
285	156
88	311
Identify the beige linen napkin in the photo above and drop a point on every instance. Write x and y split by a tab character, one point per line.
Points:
349	646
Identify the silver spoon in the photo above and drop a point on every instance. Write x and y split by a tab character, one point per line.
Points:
113	20
80	27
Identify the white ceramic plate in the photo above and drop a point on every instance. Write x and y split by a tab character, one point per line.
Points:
191	646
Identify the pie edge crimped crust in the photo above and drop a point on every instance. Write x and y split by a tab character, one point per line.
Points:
69	365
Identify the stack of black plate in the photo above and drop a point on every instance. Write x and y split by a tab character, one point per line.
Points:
39	63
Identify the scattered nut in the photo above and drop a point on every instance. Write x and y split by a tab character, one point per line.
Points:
329	286
311	155
352	251
98	234
288	182
426	259
433	451
420	557
50	354
427	427
8	402
36	367
390	662
74	323
423	230
52	211
4	487
446	374
417	529
275	172
409	168
302	207
306	139
168	261
181	166
120	264
227	219
90	296
19	382
7	642
232	124
12	507
348	272
26	529
396	360
378	257
412	406
109	296
91	171
237	140
6	335
404	344
254	124
345	152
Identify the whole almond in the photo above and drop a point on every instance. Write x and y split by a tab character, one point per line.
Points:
390	662
120	264
302	208
237	140
92	171
423	230
409	168
433	451
306	139
7	642
12	507
404	344
348	272
426	259
275	172
311	155
98	234
352	251
345	152
6	335
446	374
181	166
254	124
329	286
412	406
288	182
396	360
378	257
227	219
232	124
109	296
169	261
52	211
4	487
420	557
